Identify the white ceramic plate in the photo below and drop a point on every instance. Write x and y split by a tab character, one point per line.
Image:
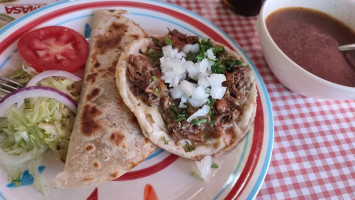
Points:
240	172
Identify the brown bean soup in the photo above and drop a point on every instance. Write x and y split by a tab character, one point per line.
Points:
311	38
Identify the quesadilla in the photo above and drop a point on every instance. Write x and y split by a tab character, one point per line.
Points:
192	96
106	140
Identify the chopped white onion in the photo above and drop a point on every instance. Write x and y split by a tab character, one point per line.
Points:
217	92
35	91
199	113
203	66
191	48
200	93
176	92
204	82
192	70
169	52
210	54
197	102
187	87
216	79
175	68
51	73
183	100
203	168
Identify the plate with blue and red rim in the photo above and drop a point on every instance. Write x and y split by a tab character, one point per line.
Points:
162	175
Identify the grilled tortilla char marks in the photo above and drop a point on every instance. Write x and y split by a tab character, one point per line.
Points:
89	147
225	111
96	65
88	178
91	78
111	38
117	138
93	93
114	175
135	37
112	69
89	125
96	164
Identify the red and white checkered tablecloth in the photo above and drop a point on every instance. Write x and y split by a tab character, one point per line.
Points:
314	140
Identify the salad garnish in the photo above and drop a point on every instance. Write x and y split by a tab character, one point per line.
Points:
40	116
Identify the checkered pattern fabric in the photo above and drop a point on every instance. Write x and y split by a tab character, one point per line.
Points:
314	147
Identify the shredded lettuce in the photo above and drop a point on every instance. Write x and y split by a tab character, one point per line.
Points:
34	127
21	76
65	85
28	131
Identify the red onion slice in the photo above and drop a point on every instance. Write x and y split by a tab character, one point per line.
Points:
51	73
35	91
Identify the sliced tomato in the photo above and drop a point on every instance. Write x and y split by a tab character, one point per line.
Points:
54	48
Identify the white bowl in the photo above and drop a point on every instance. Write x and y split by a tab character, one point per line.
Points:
288	72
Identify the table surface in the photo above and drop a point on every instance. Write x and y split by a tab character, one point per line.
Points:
314	140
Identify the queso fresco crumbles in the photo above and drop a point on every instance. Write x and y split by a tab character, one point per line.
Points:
196	85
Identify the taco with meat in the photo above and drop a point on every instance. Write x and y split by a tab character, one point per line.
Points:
192	96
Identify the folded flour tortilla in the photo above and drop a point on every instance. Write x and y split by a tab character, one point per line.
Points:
106	141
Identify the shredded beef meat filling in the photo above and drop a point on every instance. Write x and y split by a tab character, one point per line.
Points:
183	129
140	73
225	111
180	39
228	109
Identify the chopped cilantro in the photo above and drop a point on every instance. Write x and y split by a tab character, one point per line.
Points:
154	57
230	64
174	110
212	123
214	165
168	41
156	41
179	114
199	121
179	118
205	44
189	148
156	91
218	67
167	127
164	140
154	78
195	57
218	50
211	103
154	54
